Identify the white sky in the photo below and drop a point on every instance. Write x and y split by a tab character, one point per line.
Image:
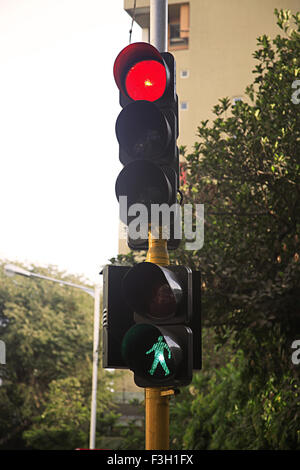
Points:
58	151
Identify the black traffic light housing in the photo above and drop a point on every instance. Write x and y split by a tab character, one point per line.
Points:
147	130
133	321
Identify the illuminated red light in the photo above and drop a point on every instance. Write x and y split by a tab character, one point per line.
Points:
146	80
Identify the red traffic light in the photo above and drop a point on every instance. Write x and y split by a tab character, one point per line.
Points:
140	72
146	80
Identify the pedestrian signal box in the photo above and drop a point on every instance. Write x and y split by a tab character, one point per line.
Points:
152	322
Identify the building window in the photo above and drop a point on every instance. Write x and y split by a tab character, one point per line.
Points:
175	33
184	73
183	105
179	26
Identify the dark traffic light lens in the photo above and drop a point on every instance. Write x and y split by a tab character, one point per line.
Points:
143	131
146	80
143	182
148	195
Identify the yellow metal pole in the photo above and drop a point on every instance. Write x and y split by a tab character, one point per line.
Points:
157	250
157	399
157	419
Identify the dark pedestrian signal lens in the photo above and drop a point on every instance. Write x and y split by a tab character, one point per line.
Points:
152	290
162	301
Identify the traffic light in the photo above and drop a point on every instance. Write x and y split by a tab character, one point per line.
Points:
152	313
152	322
159	348
147	131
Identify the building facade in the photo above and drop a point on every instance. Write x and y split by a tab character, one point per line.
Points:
213	42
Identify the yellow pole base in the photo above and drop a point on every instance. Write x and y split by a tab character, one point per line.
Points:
157	419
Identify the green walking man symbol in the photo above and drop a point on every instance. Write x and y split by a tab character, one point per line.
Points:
158	349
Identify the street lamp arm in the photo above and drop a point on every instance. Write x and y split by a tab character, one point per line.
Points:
65	283
11	269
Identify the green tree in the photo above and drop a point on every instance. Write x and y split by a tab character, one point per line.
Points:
245	169
46	381
64	422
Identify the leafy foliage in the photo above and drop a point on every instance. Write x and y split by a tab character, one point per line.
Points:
245	170
226	407
65	418
46	381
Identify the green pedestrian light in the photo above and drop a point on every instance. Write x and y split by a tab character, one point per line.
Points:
159	356
153	353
